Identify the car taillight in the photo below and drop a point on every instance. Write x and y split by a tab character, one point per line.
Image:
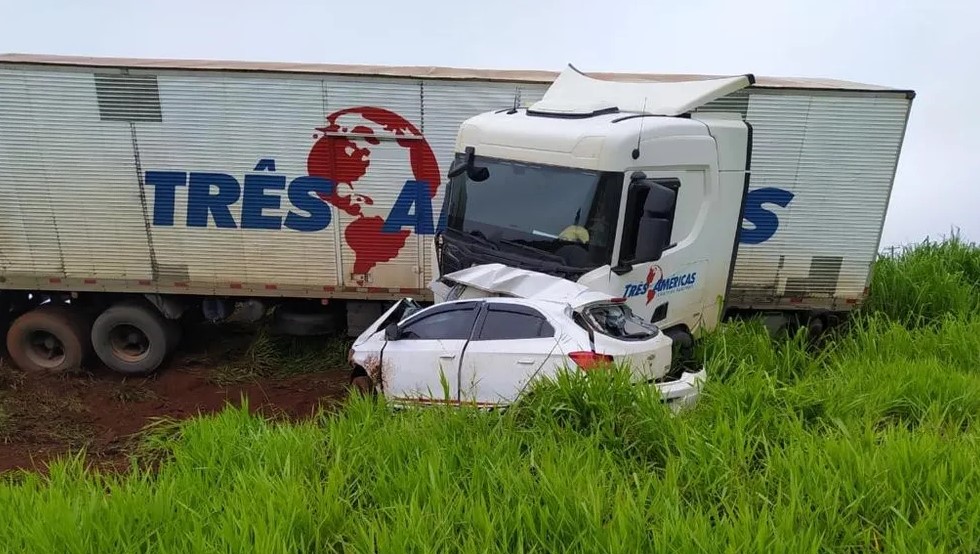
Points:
589	360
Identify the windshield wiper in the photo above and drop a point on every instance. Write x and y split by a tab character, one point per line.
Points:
472	236
533	250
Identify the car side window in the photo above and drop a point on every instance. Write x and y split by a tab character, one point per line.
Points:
453	323
514	322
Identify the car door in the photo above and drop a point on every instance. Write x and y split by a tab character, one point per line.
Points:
427	354
511	344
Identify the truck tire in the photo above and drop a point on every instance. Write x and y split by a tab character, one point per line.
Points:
305	321
132	338
50	338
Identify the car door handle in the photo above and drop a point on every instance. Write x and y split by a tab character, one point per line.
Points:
447	356
525	362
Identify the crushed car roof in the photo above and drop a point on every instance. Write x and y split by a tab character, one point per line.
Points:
521	283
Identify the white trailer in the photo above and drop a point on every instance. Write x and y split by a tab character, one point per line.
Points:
229	187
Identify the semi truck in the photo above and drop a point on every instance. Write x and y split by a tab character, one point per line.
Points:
138	194
694	200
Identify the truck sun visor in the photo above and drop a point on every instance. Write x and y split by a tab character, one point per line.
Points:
576	93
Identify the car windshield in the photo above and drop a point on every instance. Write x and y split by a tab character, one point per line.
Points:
563	211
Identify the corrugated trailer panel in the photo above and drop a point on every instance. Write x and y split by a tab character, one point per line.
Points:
224	126
376	171
821	175
447	106
69	192
193	182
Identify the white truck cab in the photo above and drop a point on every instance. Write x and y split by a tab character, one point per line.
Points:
613	185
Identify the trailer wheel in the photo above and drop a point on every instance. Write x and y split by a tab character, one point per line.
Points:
131	338
49	338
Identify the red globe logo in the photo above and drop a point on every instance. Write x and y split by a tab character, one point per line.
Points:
654	275
342	155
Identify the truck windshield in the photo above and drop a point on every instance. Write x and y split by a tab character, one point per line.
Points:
568	212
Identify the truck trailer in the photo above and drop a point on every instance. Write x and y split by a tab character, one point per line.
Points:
136	193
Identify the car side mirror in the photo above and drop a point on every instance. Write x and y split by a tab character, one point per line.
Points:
392	332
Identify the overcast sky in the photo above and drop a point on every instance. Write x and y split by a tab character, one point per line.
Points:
930	46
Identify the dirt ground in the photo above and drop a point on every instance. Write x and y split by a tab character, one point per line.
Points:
43	416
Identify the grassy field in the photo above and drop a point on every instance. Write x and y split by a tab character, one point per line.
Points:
869	445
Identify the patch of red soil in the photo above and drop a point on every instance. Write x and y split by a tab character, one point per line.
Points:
46	416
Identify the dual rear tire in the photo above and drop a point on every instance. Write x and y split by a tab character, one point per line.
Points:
130	337
50	338
133	338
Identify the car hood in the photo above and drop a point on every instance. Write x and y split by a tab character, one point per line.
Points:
521	283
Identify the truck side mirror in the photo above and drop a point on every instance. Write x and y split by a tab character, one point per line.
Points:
392	332
478	174
651	238
473	172
650	217
656	221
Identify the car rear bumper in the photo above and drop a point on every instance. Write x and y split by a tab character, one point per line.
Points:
684	391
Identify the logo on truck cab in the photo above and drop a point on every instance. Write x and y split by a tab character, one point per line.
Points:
656	283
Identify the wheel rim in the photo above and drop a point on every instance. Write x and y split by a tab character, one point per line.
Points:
129	343
45	349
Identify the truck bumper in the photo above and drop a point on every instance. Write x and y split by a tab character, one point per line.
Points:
684	391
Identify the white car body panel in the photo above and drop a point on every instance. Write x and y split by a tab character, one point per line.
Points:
415	370
499	279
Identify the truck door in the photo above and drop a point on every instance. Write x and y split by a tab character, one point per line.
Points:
664	291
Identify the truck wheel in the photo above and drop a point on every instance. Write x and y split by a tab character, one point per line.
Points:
131	338
48	338
305	321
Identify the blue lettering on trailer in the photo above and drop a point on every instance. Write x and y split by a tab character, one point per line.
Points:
765	221
211	195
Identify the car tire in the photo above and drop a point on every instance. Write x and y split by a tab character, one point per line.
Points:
363	384
50	338
132	338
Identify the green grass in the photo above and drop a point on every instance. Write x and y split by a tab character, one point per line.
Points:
927	281
870	445
267	355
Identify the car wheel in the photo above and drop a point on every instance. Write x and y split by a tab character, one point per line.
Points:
363	385
49	338
361	382
131	338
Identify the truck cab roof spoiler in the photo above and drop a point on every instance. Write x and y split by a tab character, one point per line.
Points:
575	94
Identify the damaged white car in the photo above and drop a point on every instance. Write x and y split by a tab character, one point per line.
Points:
495	329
